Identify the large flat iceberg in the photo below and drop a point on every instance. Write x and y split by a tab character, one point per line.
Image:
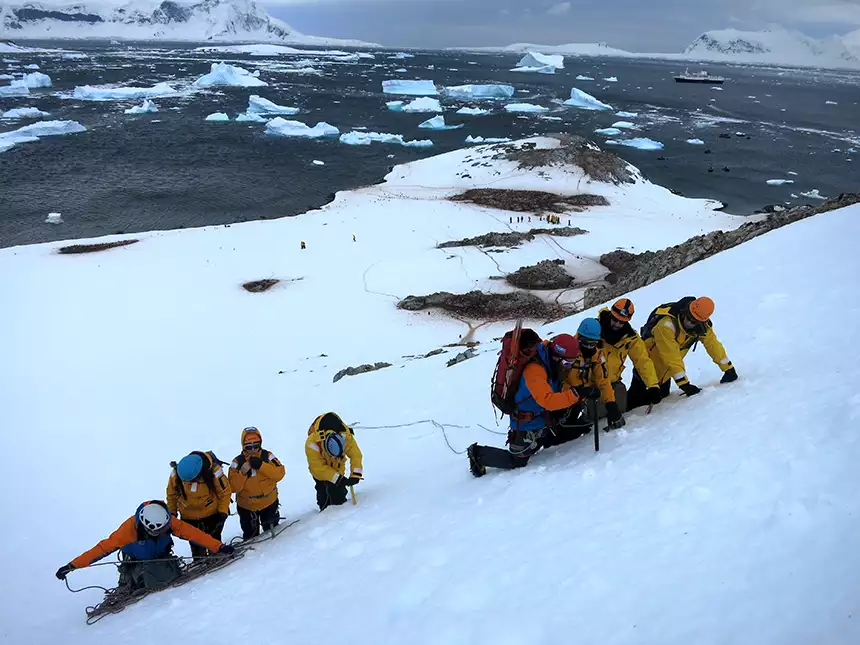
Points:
423	104
585	101
366	138
470	92
411	88
108	93
16	88
536	59
23	113
525	107
259	105
608	132
287	128
34	131
229	75
639	143
470	111
438	123
624	125
144	108
543	69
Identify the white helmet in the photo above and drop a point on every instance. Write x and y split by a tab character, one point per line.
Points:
154	518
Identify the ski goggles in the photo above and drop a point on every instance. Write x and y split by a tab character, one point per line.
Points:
563	361
589	343
251	447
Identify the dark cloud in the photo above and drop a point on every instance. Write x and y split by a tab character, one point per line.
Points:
635	25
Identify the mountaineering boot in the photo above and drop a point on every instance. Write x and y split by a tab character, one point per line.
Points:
475	466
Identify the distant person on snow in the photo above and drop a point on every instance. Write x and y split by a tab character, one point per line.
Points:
142	538
671	331
254	477
588	374
620	340
330	442
199	491
546	412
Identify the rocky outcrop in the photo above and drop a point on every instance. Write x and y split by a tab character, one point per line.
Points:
528	201
485	306
361	369
630	272
545	275
512	239
573	150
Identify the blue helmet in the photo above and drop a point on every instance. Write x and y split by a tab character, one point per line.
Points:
189	467
589	328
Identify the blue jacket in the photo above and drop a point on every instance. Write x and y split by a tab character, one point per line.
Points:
524	400
150	548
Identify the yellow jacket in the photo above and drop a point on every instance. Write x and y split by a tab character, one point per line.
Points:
618	345
323	466
591	372
201	498
669	343
256	489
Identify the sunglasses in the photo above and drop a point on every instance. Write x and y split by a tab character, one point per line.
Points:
615	323
589	343
250	447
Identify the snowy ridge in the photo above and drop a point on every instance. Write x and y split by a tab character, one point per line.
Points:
185	20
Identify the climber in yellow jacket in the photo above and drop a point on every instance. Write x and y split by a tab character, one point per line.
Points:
330	442
620	340
671	331
254	477
199	492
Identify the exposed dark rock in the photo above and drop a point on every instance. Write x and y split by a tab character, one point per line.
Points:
258	286
528	201
435	352
462	356
514	238
75	249
635	271
361	369
485	306
545	275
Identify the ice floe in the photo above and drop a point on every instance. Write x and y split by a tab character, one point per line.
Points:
34	131
585	101
543	69
286	128
624	125
525	107
813	194
54	218
401	56
16	88
31	66
608	132
35	80
695	142
472	111
611	79
411	88
23	113
472	92
250	117
582	77
779	182
395	106
112	93
317	162
539	63
259	105
471	139
217	116
830	103
143	108
627	115
423	104
438	123
366	138
640	143
229	75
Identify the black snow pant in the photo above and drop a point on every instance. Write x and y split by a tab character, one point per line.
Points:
637	395
250	521
142	574
328	494
212	525
620	399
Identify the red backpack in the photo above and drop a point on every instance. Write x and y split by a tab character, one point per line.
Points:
519	347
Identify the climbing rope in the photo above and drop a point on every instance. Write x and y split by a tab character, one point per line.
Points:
441	426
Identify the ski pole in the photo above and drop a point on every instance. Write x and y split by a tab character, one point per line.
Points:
352	494
592	409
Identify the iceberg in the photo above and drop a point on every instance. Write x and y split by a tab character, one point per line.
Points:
779	182
34	80
143	108
6	77
317	162
584	78
472	111
624	125
536	59
611	79
251	117
23	113
695	142
31	66
585	101
107	93
394	106
54	218
525	107
813	194
259	105
217	116
639	143
33	131
411	88
423	104
366	138
16	88
229	75
401	56
627	115
471	139
543	69
438	123
285	128
608	132
471	92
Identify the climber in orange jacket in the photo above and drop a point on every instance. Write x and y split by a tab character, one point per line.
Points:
146	542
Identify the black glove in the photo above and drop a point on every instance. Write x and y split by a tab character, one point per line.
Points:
690	389
351	481
341	481
219	519
588	392
654	395
226	549
63	571
255	462
729	375
614	416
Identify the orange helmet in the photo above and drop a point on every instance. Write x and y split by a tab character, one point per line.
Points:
702	309
622	310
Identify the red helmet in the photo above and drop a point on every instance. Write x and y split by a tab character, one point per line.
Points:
564	346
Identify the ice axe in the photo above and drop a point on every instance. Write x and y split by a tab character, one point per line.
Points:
352	494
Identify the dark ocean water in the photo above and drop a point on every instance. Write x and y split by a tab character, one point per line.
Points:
172	169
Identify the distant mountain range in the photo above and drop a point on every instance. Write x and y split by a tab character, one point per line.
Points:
201	20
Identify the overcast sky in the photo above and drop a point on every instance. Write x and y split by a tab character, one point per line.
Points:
635	25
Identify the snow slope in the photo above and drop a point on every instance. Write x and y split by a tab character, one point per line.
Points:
183	20
726	518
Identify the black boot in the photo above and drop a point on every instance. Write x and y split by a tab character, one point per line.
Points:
475	466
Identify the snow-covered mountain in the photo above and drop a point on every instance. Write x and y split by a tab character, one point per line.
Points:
224	20
779	46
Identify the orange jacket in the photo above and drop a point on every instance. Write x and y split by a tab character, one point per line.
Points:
541	390
127	533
